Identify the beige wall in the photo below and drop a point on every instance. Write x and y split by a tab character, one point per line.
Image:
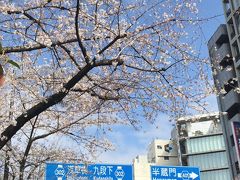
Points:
141	170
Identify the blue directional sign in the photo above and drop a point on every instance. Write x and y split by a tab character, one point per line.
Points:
174	173
60	171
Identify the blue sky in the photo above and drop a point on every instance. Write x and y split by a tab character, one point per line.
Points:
128	142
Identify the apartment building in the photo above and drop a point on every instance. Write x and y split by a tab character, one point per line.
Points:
225	58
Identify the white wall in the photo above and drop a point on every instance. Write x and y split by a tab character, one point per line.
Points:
141	168
142	164
156	153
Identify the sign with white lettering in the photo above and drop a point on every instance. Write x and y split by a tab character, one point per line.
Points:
60	171
174	173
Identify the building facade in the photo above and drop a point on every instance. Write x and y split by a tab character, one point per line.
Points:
224	51
163	152
160	152
201	144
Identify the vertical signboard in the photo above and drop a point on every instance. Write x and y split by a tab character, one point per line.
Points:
60	171
236	137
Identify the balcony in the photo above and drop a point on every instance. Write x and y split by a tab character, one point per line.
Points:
230	99
231	112
236	117
226	75
228	11
223	53
219	37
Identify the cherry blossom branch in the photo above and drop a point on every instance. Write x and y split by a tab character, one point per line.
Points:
93	93
63	127
52	100
111	43
70	55
15	49
41	106
83	49
160	71
33	47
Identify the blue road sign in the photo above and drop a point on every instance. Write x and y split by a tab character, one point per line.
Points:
174	173
61	171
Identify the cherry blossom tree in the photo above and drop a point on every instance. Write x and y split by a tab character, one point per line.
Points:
28	153
34	165
94	63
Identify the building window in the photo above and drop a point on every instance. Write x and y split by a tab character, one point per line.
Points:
207	161
231	28
232	140
227	7
166	157
236	51
159	147
235	4
237	19
237	167
205	144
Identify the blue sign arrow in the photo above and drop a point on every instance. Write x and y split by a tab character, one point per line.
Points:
61	171
174	173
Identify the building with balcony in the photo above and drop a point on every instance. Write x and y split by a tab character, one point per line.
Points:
224	51
201	144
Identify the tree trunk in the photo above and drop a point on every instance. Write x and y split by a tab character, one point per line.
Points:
6	166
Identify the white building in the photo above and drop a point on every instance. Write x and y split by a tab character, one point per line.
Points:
163	152
160	152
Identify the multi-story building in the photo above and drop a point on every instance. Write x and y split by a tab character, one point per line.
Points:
163	152
225	57
160	152
201	144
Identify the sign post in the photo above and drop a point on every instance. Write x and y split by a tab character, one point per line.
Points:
174	173
61	171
